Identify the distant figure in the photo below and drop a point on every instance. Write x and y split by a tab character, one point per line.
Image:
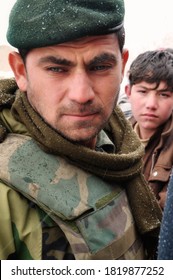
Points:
165	249
150	92
123	101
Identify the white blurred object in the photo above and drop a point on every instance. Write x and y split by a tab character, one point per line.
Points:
6	74
123	101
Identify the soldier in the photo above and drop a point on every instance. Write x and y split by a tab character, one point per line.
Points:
71	182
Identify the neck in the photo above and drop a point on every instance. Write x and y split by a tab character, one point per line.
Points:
145	134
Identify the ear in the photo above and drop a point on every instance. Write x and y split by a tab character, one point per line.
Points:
128	90
125	56
19	70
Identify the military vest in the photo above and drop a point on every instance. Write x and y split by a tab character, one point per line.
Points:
94	214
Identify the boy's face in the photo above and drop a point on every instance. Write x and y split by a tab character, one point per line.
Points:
151	106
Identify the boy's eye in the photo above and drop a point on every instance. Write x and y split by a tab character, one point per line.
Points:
164	94
142	91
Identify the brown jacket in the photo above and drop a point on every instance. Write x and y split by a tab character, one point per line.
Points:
158	159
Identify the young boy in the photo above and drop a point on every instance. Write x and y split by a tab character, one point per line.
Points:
150	92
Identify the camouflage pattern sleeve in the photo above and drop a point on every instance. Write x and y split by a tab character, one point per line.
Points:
20	231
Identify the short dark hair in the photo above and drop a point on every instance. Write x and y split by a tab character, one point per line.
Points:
119	33
152	67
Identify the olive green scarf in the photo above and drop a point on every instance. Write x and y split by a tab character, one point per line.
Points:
123	166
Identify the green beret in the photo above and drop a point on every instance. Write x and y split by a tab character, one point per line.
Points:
39	23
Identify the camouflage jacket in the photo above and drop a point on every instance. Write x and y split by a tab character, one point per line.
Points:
53	210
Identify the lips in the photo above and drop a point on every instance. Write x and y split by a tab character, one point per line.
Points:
149	116
81	116
82	113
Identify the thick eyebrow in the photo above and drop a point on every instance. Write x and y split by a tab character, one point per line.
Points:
143	87
103	57
55	60
163	90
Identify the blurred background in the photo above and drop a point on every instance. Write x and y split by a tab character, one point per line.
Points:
148	24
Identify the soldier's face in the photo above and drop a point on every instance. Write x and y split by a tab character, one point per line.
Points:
73	85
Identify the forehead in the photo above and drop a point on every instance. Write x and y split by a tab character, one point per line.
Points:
161	85
86	47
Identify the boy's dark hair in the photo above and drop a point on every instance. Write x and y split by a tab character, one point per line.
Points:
153	67
119	33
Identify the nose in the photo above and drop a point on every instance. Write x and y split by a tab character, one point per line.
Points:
81	88
151	101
